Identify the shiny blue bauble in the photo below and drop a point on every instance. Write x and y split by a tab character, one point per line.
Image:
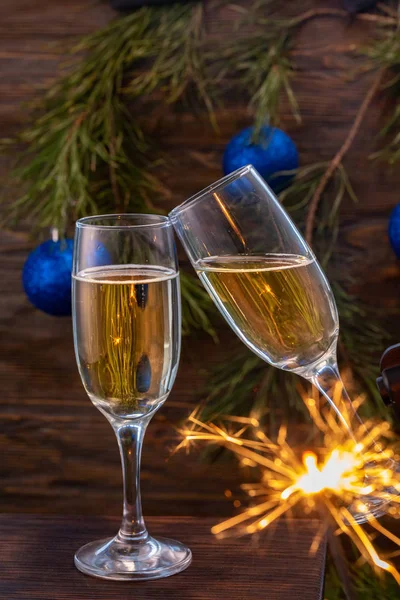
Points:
143	374
46	277
394	230
274	151
97	256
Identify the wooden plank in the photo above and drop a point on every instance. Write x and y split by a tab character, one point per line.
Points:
36	562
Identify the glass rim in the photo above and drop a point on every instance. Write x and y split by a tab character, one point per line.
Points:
153	220
214	186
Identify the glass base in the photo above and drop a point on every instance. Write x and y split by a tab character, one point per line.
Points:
112	558
376	507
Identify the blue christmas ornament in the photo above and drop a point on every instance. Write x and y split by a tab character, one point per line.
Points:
143	374
394	230
98	256
275	151
46	277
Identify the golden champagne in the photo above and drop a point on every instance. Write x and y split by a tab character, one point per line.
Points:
127	336
278	304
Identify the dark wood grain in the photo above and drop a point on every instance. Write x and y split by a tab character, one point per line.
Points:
36	562
58	453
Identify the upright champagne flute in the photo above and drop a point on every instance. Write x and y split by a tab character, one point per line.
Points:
127	330
265	280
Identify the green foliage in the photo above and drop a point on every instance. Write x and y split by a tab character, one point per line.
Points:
196	307
299	194
333	585
367	584
361	341
261	65
370	585
385	53
86	152
245	385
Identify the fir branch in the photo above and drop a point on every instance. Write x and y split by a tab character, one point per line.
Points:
230	387
268	74
366	584
197	307
337	554
304	186
245	385
86	153
263	62
361	341
266	78
179	67
385	54
260	64
337	159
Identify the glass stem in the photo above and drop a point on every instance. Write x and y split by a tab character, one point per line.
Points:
326	378
130	440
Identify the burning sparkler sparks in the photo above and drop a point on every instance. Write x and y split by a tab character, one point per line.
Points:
357	472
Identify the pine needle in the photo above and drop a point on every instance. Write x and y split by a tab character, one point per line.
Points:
384	53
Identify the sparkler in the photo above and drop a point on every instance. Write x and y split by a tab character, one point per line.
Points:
357	472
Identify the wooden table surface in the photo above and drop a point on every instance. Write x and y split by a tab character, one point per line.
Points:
36	562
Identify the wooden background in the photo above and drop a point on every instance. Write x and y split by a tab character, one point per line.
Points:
57	453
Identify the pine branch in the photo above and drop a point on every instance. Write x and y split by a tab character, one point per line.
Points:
385	54
337	159
197	307
86	152
338	554
263	62
260	65
365	582
244	385
360	344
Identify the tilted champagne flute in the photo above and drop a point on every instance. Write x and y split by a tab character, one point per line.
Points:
127	332
264	279
268	285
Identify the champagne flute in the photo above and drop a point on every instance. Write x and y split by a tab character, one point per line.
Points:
127	330
265	280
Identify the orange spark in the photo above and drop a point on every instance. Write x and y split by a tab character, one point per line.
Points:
356	471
